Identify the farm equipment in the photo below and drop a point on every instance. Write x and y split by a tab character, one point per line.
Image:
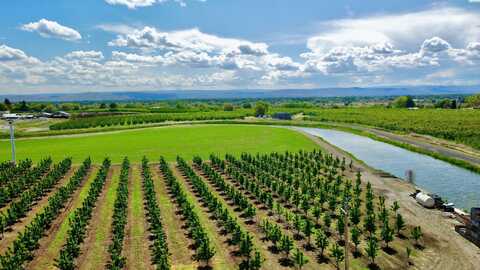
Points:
428	200
471	227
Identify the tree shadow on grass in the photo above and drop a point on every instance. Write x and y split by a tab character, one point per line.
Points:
286	262
273	249
321	259
419	246
357	254
389	250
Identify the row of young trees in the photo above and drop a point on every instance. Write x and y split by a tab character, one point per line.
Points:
117	261
231	192
27	241
244	241
138	119
80	219
204	251
20	207
264	197
15	186
160	247
282	242
336	191
10	172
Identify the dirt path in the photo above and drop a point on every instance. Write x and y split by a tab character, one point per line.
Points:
36	208
136	247
51	244
450	250
271	259
178	242
223	258
94	250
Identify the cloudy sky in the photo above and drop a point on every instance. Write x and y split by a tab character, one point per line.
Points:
137	45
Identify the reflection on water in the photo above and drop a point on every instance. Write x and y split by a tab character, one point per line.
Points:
453	183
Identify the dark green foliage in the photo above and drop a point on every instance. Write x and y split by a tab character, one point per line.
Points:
160	249
38	189
199	235
117	261
372	248
416	234
80	220
239	237
138	119
337	254
27	241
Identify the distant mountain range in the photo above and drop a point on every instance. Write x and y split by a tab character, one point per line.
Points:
235	94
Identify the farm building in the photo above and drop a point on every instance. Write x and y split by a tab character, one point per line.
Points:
282	116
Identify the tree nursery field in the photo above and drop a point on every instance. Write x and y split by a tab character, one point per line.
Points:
279	210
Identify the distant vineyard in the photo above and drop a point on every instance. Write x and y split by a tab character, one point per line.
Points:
138	119
271	211
462	126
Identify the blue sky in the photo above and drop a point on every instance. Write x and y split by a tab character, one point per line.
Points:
137	45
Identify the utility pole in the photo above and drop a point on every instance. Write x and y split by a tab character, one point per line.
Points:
12	141
345	212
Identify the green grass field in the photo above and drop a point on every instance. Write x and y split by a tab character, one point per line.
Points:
186	141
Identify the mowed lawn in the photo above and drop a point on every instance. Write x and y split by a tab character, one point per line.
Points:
186	141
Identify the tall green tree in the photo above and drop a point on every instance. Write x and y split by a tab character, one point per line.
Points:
473	101
404	102
387	234
372	248
299	259
7	103
416	234
286	245
261	108
399	224
355	234
205	252
321	240
337	254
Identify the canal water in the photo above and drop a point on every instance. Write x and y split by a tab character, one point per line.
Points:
457	185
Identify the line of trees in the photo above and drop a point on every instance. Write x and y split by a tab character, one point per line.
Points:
231	192
20	207
273	233
138	119
243	240
27	241
204	251
80	219
14	187
10	172
117	261
160	247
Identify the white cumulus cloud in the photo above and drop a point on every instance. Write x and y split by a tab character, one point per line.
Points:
405	30
11	54
85	55
133	4
52	29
